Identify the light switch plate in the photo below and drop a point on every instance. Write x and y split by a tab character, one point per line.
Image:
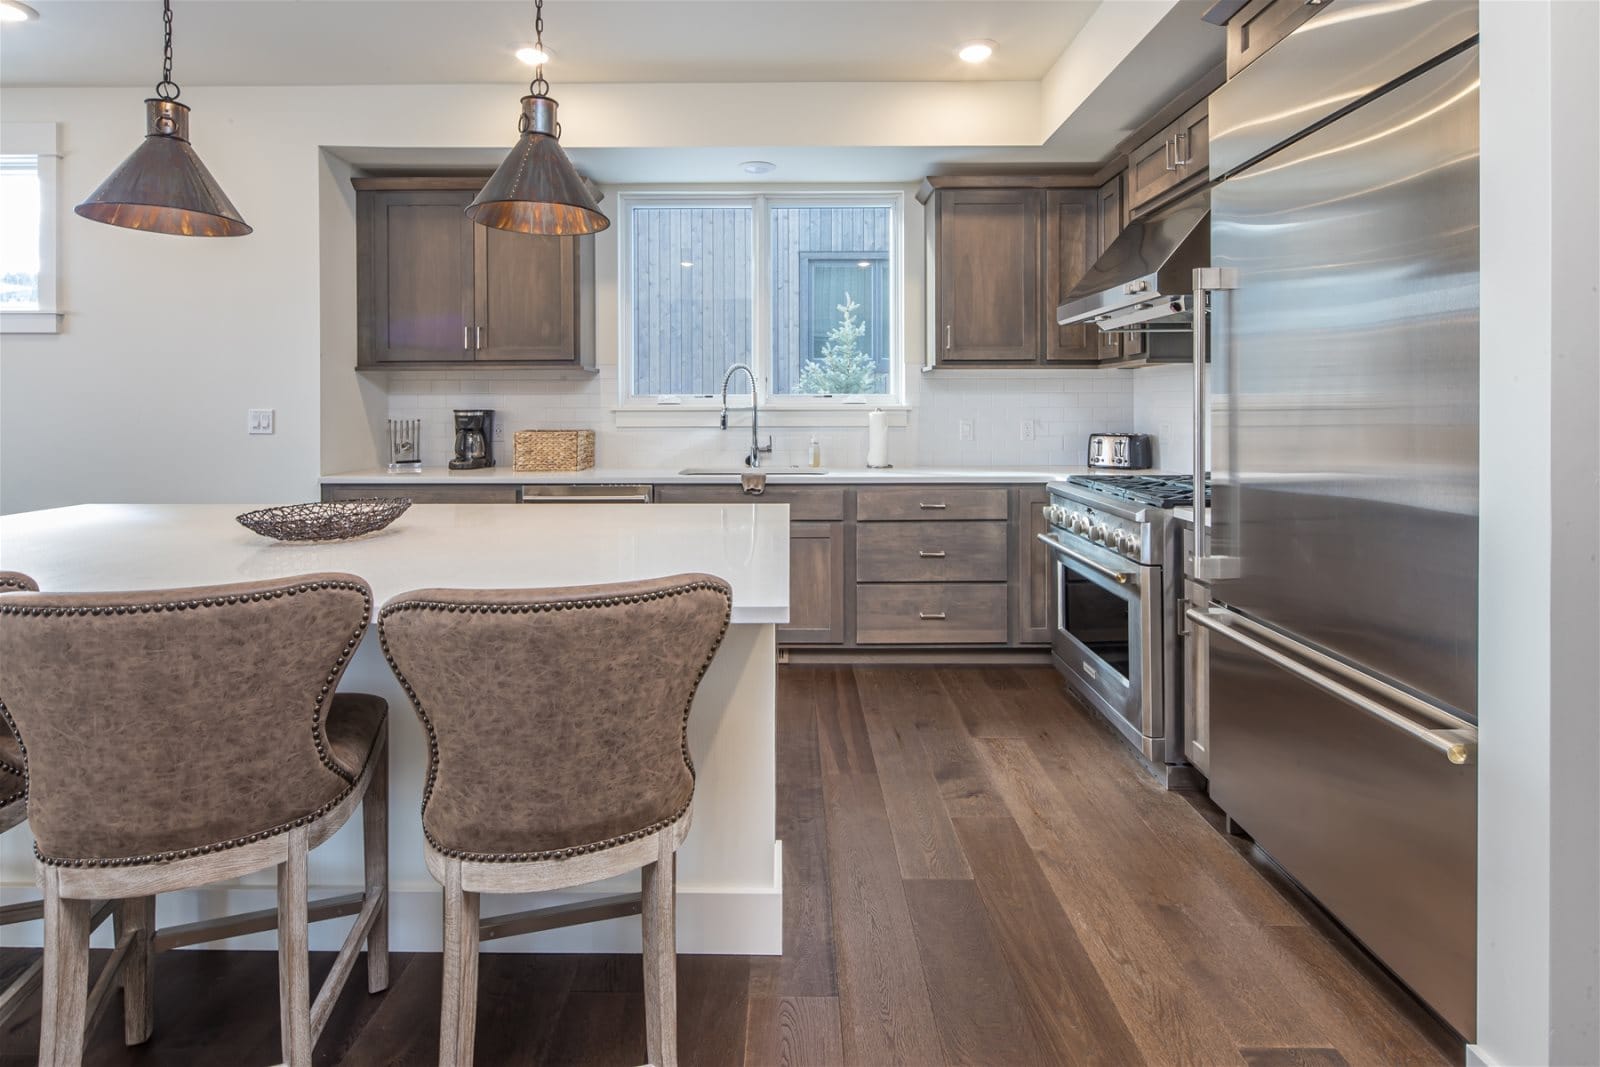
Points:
260	420
964	429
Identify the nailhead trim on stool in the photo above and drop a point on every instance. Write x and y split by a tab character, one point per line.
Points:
525	609
317	737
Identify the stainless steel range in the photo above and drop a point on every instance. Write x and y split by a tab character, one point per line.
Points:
1115	572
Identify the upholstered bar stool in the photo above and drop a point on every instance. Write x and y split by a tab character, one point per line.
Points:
557	725
184	737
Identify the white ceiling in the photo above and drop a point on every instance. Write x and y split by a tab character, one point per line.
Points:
362	42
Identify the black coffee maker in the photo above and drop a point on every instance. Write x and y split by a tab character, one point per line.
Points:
474	433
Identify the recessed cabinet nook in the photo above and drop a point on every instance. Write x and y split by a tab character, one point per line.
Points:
434	290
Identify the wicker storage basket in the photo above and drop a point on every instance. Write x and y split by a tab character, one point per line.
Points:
553	450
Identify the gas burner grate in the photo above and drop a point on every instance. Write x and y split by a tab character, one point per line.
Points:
1161	491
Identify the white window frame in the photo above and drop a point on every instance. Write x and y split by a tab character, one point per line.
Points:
38	139
786	410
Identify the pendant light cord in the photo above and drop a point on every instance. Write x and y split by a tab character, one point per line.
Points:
166	88
539	86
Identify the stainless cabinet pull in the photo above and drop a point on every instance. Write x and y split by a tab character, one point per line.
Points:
478	333
949	337
930	616
1458	745
1180	148
933	507
931	554
1170	147
466	338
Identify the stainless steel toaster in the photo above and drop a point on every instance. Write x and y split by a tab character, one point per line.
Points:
1124	451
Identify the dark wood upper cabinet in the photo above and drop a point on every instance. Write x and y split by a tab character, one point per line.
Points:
414	276
435	289
1108	224
988	308
1260	24
1171	162
1072	241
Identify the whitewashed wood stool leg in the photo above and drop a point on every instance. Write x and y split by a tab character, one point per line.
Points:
659	928
375	852
294	964
138	917
458	1014
66	975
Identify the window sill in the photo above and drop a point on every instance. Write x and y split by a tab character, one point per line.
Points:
710	417
30	321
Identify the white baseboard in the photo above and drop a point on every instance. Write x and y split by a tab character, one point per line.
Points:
740	920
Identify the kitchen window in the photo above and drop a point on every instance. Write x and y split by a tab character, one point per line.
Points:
804	288
28	228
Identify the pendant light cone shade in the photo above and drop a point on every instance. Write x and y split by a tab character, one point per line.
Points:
163	187
537	189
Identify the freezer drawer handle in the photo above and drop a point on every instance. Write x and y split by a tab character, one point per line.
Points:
1458	746
925	553
1120	577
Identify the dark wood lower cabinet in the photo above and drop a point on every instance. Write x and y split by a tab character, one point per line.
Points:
931	613
816	585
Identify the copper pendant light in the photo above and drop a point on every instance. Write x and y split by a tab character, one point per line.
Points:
537	189
163	186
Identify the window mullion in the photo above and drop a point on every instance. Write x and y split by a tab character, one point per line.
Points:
761	271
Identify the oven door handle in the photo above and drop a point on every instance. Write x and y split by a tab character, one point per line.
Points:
1120	577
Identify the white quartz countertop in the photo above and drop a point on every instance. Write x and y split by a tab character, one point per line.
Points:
158	546
776	475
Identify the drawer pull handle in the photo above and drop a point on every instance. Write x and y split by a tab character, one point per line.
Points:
930	616
933	507
935	553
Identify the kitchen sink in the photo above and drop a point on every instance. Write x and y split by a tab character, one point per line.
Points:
735	472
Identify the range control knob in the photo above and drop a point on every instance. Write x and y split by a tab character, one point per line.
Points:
1102	533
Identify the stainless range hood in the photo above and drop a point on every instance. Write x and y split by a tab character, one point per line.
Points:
1147	275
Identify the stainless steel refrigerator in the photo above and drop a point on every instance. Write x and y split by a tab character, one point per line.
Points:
1341	633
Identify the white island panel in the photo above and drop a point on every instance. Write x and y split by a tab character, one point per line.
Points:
729	869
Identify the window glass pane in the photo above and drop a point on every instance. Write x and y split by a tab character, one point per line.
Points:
830	299
691	293
19	232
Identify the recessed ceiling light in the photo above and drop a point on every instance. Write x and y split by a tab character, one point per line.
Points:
758	166
976	51
16	11
534	56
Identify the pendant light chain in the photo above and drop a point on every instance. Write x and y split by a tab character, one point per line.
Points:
166	88
539	86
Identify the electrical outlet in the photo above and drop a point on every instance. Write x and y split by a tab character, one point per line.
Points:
499	432
260	420
964	429
1029	430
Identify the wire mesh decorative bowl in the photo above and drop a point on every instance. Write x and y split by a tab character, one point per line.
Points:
332	520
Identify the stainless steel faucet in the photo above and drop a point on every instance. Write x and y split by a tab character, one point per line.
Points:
753	460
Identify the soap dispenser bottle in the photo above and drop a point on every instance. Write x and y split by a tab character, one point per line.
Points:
814	452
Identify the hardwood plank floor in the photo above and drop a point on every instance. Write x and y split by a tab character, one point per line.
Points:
976	871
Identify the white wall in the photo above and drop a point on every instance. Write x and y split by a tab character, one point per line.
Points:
1539	582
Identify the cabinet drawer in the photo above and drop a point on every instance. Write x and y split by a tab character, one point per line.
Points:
805	504
934	502
931	614
931	552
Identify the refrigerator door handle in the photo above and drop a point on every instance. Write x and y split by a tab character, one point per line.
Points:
1207	280
1459	745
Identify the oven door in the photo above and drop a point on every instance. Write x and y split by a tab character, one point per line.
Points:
1105	633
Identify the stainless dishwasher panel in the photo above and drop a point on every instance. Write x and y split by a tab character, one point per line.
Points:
1344	801
587	494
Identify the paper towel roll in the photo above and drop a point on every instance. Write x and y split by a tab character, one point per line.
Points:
877	439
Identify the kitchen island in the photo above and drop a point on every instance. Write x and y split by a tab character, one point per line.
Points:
729	868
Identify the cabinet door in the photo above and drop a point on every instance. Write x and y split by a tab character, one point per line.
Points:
525	296
1261	24
1071	241
1030	559
816	585
1177	156
988	276
414	276
1112	217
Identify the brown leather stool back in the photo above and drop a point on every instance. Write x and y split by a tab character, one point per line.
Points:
13	776
172	723
557	718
